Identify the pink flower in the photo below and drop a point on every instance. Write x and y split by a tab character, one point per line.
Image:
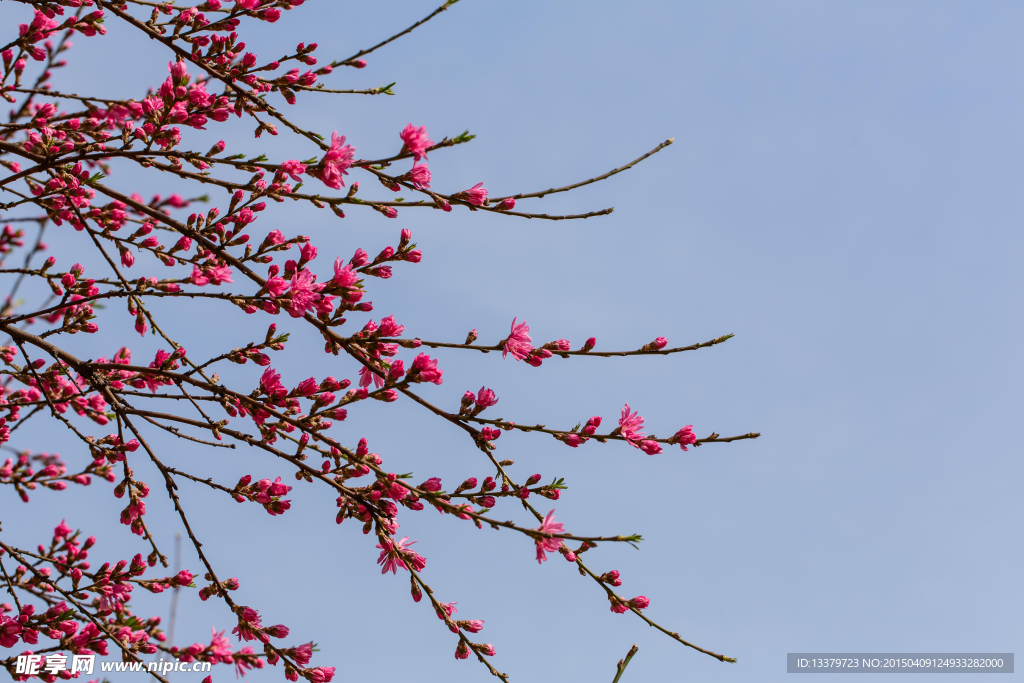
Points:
277	631
416	141
393	552
322	674
249	625
344	275
433	485
650	447
308	252
424	369
366	376
617	605
639	602
9	630
630	425
685	437
277	286
302	653
419	176
475	195
485	398
549	545
507	204
518	342
304	293
307	387
293	169
336	161
389	328
471	625
462	650
271	383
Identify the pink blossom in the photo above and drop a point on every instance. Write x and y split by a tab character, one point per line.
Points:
305	293
416	141
308	252
549	545
419	176
475	195
433	485
344	275
366	376
293	169
393	552
617	605
650	447
518	342
639	602
302	653
277	286
630	425
307	387
271	383
322	674
338	158
685	437
424	369
485	398
10	628
249	625
507	204
389	328
277	631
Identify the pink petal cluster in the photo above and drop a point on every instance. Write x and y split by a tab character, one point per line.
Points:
685	437
631	424
518	342
548	545
416	141
475	195
336	162
392	554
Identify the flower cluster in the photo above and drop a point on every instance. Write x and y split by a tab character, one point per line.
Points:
136	256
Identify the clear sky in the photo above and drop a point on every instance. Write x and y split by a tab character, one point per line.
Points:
843	195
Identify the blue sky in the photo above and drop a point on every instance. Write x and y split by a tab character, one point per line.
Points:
843	195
